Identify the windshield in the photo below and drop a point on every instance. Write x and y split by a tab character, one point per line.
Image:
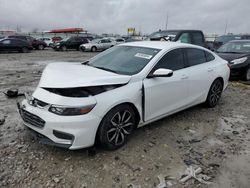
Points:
235	47
126	60
158	34
65	39
95	41
226	38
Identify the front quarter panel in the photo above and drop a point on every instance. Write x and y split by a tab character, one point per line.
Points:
129	93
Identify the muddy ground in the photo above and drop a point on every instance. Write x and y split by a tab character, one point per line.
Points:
217	140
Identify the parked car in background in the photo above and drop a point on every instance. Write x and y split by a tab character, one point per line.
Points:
98	45
237	53
14	45
223	39
71	43
36	44
47	40
117	40
185	36
56	39
1	37
105	99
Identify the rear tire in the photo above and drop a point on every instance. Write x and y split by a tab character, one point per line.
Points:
25	50
40	47
247	74
64	48
214	93
116	127
93	49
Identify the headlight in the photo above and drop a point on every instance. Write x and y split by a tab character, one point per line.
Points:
70	111
238	61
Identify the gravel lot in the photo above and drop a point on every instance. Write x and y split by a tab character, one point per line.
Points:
217	140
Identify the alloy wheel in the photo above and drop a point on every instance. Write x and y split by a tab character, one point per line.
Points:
248	74
215	92
122	126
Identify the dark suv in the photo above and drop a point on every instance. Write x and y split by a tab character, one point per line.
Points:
223	39
186	36
36	44
71	43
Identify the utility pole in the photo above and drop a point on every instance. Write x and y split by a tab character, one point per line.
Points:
166	27
225	32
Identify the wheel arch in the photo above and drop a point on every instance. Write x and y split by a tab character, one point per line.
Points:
136	111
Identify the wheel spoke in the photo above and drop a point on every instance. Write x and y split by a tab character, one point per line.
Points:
113	137
125	131
126	125
111	130
117	138
124	116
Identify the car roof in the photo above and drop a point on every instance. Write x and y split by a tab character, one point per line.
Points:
180	30
159	44
244	40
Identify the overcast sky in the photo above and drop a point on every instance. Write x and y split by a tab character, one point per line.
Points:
115	16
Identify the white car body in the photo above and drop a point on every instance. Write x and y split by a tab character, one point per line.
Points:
153	98
47	40
98	45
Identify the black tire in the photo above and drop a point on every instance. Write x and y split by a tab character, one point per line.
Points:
247	74
214	93
81	49
25	50
64	48
40	47
116	127
93	49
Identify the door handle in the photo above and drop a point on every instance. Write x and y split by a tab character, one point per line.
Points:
210	70
183	77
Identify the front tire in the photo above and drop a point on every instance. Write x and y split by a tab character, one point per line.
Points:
93	49
116	127
214	93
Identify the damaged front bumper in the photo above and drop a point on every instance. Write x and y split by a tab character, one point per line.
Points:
73	132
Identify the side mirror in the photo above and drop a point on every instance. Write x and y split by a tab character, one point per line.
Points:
161	73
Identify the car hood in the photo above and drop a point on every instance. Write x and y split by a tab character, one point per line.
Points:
69	75
231	56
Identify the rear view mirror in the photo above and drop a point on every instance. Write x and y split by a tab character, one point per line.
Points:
162	73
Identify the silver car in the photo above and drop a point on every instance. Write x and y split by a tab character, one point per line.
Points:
98	45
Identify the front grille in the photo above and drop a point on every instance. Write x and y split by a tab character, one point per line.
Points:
32	119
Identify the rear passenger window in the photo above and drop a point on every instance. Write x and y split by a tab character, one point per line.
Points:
209	56
185	38
195	56
173	60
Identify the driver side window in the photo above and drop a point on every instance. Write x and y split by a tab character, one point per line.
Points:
173	60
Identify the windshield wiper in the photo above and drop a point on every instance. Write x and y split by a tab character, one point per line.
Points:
106	69
85	63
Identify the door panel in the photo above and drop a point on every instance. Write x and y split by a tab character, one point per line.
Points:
201	75
166	94
163	95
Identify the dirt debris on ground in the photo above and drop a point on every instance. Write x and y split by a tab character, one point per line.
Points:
214	139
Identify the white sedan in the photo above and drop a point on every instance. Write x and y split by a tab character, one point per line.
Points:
106	98
98	45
